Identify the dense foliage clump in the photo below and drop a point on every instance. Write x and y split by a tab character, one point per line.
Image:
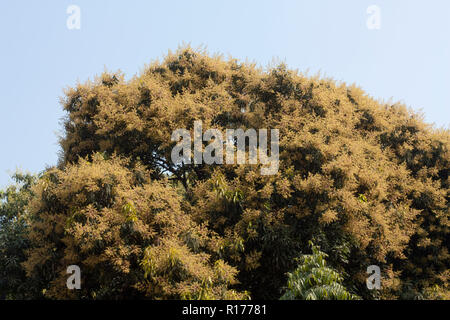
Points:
13	238
368	181
128	235
314	280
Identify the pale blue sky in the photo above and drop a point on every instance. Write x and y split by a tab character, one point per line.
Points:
407	60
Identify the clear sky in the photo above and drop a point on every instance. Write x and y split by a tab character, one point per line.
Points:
406	59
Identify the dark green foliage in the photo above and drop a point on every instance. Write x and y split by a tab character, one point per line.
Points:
314	280
13	242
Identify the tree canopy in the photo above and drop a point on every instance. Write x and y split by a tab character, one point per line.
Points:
367	180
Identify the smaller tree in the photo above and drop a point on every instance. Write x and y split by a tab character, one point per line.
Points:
13	242
313	280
